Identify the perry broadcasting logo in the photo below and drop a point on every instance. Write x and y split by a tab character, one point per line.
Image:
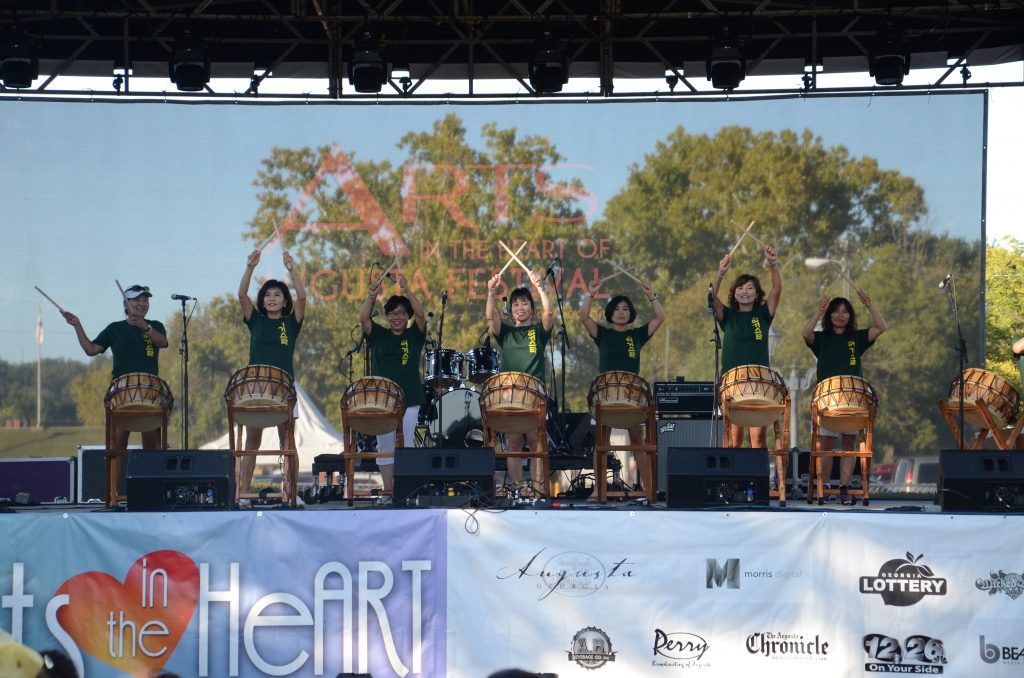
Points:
1009	655
904	581
1011	584
591	648
679	649
917	654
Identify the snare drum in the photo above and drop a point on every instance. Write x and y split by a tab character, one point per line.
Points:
444	368
625	399
260	396
378	403
507	396
990	388
138	401
482	363
753	395
844	404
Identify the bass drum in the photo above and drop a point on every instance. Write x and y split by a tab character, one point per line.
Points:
454	419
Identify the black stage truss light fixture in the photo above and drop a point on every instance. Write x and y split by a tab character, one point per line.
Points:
19	60
189	66
726	66
368	69
549	67
889	60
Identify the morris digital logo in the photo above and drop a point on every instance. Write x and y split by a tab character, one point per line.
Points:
1009	655
1002	582
727	575
904	581
917	654
787	646
591	648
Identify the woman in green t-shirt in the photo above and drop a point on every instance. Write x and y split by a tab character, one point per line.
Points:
745	322
274	324
395	354
619	345
839	346
522	350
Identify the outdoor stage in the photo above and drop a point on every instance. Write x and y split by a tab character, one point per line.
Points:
581	591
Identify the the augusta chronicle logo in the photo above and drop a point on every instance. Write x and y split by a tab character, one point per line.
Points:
903	581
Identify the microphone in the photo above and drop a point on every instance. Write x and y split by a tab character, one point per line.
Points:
182	297
444	298
375	313
553	268
505	310
356	345
945	281
711	298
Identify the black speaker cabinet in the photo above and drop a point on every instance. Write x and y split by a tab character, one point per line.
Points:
443	476
92	474
683	433
179	480
973	480
716	476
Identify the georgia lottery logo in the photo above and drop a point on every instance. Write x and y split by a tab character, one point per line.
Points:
917	654
903	581
591	648
1010	583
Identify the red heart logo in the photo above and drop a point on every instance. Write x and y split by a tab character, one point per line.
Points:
133	626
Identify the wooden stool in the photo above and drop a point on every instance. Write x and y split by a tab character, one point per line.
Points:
778	416
603	445
114	458
517	422
367	423
1005	438
236	440
135	401
861	423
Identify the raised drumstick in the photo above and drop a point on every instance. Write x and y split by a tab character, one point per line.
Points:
745	233
120	289
516	258
269	238
49	299
509	262
620	269
606	279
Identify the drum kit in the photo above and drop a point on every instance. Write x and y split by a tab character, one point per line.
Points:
453	379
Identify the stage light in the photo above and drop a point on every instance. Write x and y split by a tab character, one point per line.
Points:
726	66
549	68
19	60
889	60
368	71
189	66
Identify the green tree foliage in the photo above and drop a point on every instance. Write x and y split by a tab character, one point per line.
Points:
88	390
1004	307
18	396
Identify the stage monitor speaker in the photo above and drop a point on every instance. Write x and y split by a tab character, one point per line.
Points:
716	476
92	474
180	480
443	476
683	433
973	480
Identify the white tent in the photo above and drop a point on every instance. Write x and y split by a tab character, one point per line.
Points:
314	435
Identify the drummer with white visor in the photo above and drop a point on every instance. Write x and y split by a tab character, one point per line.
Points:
135	343
839	345
395	354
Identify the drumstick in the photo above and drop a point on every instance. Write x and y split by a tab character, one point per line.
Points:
622	270
269	238
847	278
745	233
49	299
607	278
1012	315
509	262
121	289
517	259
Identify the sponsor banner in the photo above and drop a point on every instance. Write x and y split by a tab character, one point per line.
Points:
255	593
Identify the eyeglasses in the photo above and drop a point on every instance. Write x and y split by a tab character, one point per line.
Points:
137	288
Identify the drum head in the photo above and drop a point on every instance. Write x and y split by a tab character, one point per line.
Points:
455	417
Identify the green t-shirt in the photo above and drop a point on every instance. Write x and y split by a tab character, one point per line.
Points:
133	350
746	337
1019	358
272	340
839	354
397	357
522	349
620	351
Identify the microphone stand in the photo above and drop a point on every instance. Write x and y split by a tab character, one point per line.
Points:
961	349
439	401
183	351
561	445
716	339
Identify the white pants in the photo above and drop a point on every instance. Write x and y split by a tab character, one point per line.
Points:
386	442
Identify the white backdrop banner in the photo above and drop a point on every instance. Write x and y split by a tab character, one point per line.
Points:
465	593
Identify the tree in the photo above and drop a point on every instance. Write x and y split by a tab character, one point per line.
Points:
1004	309
88	390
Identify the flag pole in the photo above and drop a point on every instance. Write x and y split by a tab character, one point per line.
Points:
39	369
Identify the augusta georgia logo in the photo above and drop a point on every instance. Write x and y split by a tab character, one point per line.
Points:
1011	584
904	581
917	654
591	648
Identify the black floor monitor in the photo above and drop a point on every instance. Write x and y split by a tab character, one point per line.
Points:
443	476
981	480
700	477
176	480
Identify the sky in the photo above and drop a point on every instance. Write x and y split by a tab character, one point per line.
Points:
160	194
